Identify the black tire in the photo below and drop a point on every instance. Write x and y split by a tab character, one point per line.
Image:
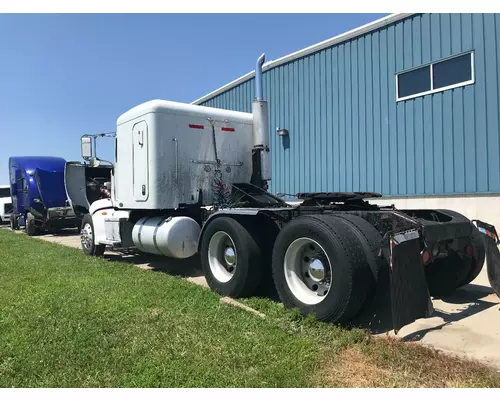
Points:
478	256
349	268
371	242
14	223
91	249
244	280
444	274
56	230
31	229
370	238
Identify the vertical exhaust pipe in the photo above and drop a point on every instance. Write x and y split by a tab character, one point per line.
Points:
261	155
258	78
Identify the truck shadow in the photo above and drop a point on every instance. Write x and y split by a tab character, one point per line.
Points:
472	296
186	268
377	317
68	232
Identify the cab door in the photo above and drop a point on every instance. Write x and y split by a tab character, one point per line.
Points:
140	161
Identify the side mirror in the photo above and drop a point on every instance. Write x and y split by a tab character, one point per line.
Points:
86	145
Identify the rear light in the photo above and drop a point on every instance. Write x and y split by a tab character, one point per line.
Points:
426	256
469	250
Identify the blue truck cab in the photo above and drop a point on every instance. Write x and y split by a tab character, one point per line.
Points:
39	199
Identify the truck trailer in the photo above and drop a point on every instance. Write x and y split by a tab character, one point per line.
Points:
190	179
38	195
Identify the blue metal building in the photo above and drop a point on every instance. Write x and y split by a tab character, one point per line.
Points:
406	106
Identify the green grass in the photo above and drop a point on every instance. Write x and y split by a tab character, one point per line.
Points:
67	320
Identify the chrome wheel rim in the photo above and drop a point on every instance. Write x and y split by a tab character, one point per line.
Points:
86	236
222	256
308	271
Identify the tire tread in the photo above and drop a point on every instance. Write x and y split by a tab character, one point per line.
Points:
248	272
351	297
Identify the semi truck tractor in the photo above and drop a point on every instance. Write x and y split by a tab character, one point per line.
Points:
38	195
190	179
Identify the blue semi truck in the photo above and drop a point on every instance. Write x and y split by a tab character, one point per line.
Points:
39	199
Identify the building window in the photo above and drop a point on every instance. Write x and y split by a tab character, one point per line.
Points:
441	75
414	82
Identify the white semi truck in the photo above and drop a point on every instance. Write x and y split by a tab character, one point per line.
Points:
5	204
189	179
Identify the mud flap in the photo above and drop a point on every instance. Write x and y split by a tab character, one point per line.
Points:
491	242
410	298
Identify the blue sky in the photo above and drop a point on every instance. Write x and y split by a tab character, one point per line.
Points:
65	75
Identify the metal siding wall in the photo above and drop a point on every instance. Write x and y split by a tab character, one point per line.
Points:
348	133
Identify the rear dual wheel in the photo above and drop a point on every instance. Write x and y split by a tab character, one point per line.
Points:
324	265
445	275
230	258
321	265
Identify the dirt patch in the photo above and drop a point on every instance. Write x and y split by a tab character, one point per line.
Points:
392	363
154	312
352	369
412	365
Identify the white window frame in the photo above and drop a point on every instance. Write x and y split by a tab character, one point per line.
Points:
431	77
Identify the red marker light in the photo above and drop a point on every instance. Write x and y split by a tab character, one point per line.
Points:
426	256
192	126
224	129
468	249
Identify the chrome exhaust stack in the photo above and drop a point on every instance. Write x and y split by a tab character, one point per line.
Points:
261	155
259	96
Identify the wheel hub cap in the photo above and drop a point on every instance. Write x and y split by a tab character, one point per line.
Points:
308	271
222	256
230	256
316	270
